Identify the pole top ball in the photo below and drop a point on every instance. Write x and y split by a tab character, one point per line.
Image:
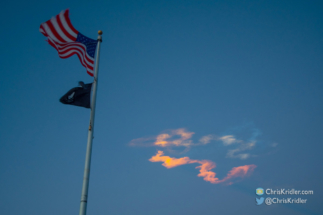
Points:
100	32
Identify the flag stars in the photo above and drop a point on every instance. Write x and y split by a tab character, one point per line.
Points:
89	43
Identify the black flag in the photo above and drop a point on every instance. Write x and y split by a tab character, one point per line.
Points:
79	96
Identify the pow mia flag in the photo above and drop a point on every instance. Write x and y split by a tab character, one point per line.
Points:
79	96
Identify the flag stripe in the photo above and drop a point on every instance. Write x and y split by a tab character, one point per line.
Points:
59	30
63	19
68	21
89	68
70	50
53	30
62	48
42	30
49	32
90	73
65	32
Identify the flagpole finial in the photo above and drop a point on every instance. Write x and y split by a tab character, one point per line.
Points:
100	32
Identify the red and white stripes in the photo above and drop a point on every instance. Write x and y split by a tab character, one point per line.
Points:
66	50
62	36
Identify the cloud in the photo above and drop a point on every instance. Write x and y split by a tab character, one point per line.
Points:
164	140
143	141
206	173
234	153
207	139
169	162
240	171
229	139
238	142
205	167
176	137
274	144
182	138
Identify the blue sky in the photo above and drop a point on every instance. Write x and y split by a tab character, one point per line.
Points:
249	69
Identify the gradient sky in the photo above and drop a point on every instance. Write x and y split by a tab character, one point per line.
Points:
250	69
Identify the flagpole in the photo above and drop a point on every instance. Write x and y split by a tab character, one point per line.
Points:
86	177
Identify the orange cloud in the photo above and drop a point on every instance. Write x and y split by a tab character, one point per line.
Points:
205	172
169	162
240	171
205	167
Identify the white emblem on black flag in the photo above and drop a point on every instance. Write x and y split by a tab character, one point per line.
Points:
78	96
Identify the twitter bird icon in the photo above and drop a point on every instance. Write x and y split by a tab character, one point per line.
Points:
260	201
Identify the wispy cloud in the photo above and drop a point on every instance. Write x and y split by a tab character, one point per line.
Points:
182	138
164	139
205	167
175	137
236	153
274	144
142	142
207	139
229	139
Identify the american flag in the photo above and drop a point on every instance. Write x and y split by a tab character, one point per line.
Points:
68	41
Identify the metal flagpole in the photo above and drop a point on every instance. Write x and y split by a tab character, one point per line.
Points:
86	177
